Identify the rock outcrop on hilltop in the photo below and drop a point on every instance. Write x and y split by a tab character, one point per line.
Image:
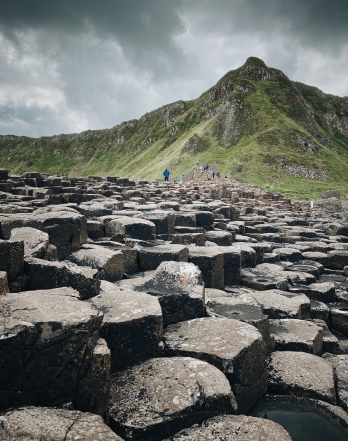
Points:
155	311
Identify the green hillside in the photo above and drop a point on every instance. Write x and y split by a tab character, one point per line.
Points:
259	126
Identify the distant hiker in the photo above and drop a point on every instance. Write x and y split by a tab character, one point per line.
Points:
213	173
166	175
197	162
218	174
181	179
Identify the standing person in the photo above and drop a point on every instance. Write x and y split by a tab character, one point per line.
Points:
181	179
197	162
166	175
213	173
218	174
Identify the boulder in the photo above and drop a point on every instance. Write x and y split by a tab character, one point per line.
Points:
125	227
150	258
109	263
297	335
47	339
182	392
233	427
301	374
211	263
178	286
132	324
43	423
234	347
35	241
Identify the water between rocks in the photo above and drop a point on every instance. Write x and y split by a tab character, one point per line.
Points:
306	426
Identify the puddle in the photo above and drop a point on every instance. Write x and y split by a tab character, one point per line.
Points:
306	426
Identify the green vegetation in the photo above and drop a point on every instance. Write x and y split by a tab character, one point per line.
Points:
255	123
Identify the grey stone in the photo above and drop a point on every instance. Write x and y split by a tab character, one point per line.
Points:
278	304
296	335
150	258
339	317
126	227
211	262
301	374
231	427
106	261
132	324
3	283
178	286
182	391
46	344
35	241
236	348
42	423
12	258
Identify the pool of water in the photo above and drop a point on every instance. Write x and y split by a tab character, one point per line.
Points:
306	426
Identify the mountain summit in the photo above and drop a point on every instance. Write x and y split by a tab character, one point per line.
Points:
255	123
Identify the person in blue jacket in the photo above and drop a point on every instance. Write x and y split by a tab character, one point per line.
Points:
166	175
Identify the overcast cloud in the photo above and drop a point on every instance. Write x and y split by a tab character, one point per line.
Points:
72	65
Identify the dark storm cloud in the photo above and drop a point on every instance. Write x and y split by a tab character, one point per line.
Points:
69	65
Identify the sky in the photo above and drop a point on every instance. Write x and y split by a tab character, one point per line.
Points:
71	65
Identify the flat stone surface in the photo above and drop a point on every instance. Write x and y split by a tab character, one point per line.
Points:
150	258
42	423
278	304
237	308
236	348
301	374
155	399
230	427
132	324
296	335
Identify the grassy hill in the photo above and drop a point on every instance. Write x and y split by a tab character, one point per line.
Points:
259	126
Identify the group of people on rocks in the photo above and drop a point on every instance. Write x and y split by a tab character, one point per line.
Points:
203	168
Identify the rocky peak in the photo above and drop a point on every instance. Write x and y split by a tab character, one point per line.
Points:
256	69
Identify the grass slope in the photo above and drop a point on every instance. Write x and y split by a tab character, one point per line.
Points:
255	123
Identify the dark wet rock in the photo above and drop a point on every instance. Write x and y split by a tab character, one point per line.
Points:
248	255
150	258
178	286
95	229
234	347
231	427
301	374
42	423
182	391
132	324
47	340
297	335
12	259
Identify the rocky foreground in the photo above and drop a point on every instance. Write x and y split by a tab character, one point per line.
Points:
158	311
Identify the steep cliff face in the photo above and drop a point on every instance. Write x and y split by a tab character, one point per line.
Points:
254	122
